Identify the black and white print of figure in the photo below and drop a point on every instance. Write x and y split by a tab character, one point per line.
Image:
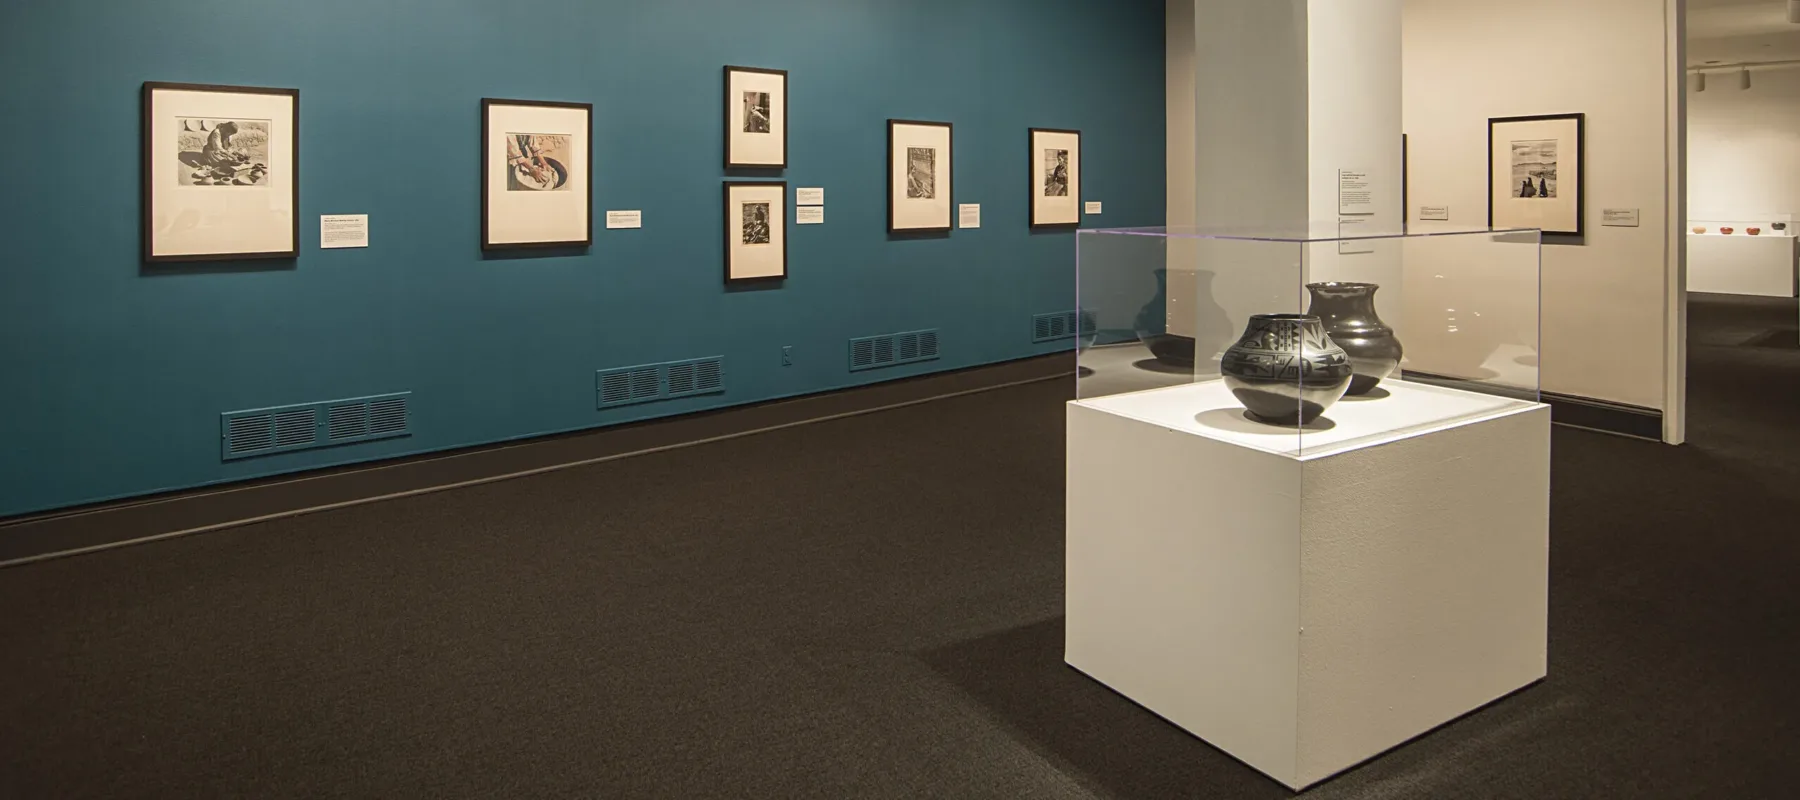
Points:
1056	172
921	173
1534	169
222	152
756	112
756	223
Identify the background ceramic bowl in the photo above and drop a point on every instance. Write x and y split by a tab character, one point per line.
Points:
1699	228
1753	231
1727	231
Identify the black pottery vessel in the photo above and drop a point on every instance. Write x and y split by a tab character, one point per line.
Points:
1285	370
1348	312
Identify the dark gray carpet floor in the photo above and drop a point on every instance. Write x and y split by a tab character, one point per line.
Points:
870	607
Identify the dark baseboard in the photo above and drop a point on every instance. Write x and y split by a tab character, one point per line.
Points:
1599	415
1567	409
145	518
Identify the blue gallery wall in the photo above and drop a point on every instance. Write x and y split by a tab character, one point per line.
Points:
115	373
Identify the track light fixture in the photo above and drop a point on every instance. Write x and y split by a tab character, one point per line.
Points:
1744	78
1699	81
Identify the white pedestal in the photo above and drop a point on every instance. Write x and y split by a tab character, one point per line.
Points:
1307	602
1740	264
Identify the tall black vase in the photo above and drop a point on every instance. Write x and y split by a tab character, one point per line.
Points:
1348	312
1285	370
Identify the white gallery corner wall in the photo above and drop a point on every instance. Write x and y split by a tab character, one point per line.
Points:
1612	325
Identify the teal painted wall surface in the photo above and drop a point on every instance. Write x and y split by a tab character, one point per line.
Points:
115	373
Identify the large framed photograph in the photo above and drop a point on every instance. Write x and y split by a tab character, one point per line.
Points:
918	176
755	231
1535	167
756	116
537	170
220	172
1055	178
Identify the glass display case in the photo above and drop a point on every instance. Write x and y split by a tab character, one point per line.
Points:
1293	340
1308	484
1764	224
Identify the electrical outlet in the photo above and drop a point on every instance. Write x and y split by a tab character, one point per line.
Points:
787	355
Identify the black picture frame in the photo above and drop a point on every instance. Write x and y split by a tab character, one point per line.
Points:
487	104
725	227
1031	197
786	103
1580	120
147	220
949	176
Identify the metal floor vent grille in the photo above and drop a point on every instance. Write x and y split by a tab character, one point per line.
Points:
1060	325
622	386
872	352
261	431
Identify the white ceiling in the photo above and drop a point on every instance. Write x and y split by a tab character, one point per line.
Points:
1713	19
1740	30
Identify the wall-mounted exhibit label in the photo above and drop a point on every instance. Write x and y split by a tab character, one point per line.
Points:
1353	227
1354	194
1619	217
343	230
1434	213
1093	207
809	197
809	215
624	219
968	215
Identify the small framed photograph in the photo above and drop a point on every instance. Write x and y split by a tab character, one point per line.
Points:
755	231
1055	178
220	172
756	116
918	176
1535	167
537	171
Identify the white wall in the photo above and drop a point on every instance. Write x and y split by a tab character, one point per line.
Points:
1744	146
1604	303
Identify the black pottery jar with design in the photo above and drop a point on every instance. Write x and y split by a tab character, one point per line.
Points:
1285	370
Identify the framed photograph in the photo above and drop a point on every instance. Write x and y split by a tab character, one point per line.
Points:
1055	178
220	172
756	115
755	231
918	176
537	170
1535	169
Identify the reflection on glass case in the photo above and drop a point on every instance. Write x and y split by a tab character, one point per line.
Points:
1298	339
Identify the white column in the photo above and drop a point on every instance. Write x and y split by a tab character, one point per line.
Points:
1286	94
